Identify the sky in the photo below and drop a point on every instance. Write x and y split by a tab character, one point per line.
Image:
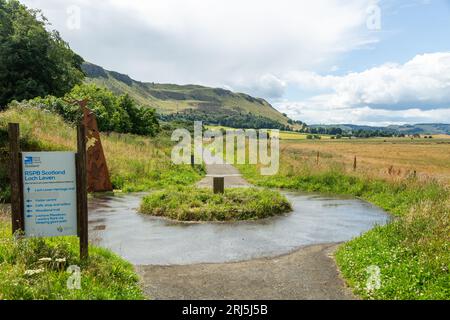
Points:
372	62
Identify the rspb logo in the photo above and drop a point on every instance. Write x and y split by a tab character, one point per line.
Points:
29	161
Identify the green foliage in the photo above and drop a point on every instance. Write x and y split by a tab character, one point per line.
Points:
118	114
35	269
197	204
412	253
143	120
227	118
34	62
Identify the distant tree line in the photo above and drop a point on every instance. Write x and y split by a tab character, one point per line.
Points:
360	133
227	118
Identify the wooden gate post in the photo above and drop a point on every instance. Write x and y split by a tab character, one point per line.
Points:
219	185
82	208
15	176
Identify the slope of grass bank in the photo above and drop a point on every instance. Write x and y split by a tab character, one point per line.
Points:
136	163
35	269
412	252
197	204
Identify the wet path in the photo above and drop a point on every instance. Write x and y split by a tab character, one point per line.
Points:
115	224
285	257
233	178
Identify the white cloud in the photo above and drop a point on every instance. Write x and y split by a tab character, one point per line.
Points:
246	45
417	91
423	82
319	114
261	47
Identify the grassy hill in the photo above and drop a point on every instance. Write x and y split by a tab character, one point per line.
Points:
196	101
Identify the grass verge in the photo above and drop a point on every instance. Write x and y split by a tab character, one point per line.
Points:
36	269
136	163
197	204
412	252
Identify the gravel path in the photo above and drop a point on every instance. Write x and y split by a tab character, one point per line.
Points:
309	273
233	178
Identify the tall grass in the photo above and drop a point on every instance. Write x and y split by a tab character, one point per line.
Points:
412	252
196	204
136	163
36	269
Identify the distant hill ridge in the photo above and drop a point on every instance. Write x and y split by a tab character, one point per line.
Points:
191	101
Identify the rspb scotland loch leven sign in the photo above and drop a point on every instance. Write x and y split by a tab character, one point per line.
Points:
49	191
49	194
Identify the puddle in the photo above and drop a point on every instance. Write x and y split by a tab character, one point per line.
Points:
115	224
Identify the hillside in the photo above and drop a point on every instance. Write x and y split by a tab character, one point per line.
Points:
192	101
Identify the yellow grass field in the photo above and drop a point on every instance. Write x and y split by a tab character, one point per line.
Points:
380	157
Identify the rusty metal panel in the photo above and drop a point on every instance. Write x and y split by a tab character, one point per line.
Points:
97	168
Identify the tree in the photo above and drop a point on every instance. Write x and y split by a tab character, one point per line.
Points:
144	121
34	61
119	114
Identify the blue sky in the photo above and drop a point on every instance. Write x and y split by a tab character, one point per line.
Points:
318	61
408	28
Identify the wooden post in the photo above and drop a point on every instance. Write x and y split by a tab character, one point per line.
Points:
318	158
219	185
355	164
15	175
192	160
82	208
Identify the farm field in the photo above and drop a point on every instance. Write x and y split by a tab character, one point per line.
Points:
383	158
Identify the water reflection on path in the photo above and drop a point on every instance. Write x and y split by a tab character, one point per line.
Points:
115	224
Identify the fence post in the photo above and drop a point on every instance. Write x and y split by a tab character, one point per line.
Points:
219	185
318	158
15	175
355	163
82	208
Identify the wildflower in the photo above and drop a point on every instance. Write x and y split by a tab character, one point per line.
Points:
33	272
45	259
